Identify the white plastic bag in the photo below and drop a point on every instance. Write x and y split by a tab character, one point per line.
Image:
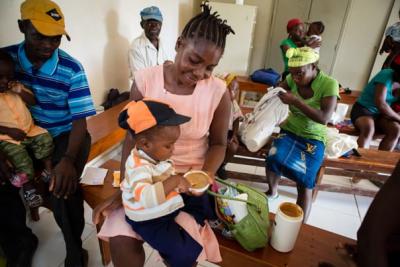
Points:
258	125
338	144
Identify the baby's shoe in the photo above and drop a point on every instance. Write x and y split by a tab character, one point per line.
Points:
32	197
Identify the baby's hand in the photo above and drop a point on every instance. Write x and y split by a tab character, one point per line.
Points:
15	86
183	184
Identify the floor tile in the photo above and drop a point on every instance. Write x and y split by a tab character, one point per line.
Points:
363	204
263	187
207	264
88	230
154	260
148	251
51	248
92	245
365	184
88	213
336	180
341	203
333	221
274	204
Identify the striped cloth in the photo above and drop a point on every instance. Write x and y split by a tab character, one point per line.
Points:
143	193
60	87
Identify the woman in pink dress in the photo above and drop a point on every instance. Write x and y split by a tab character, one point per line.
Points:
189	87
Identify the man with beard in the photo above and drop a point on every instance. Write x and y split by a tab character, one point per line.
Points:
147	50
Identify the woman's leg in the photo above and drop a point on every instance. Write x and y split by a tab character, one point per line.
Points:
272	181
304	200
392	133
127	252
366	126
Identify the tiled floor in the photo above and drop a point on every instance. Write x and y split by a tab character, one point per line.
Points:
335	212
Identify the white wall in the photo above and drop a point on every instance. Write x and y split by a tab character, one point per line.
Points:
360	41
101	31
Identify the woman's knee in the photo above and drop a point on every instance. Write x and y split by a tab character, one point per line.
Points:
394	130
367	130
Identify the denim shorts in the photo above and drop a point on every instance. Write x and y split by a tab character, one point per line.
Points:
296	158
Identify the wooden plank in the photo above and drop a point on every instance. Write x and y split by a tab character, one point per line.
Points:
370	160
104	130
246	84
349	99
313	246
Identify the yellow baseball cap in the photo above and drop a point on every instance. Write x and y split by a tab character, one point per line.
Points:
46	17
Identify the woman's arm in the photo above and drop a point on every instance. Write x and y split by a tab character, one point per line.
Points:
218	135
284	48
380	102
284	85
328	105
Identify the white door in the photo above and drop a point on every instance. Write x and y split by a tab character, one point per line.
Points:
238	47
332	14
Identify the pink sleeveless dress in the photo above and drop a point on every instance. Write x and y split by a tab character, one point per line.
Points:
189	153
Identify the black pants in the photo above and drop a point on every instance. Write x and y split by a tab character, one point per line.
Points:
68	213
15	236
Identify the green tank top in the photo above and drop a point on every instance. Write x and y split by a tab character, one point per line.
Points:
297	122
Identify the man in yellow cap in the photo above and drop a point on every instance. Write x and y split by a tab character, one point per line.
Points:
63	102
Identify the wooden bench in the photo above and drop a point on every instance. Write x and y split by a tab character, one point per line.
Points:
105	131
313	245
373	165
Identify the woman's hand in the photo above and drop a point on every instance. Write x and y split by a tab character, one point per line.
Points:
183	184
288	98
15	86
314	43
104	209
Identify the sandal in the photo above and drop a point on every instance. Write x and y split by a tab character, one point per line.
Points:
32	198
273	197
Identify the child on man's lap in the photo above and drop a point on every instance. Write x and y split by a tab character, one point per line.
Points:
19	133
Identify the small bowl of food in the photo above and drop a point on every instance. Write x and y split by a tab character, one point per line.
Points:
199	181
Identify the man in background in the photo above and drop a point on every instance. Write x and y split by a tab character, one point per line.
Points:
147	50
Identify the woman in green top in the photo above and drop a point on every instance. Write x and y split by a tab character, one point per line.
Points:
298	151
296	32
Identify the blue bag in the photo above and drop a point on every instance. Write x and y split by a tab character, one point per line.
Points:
267	76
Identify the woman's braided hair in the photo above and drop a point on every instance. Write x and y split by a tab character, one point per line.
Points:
208	26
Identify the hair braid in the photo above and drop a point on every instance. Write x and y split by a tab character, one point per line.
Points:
208	26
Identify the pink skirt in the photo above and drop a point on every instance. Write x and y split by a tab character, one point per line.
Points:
115	225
